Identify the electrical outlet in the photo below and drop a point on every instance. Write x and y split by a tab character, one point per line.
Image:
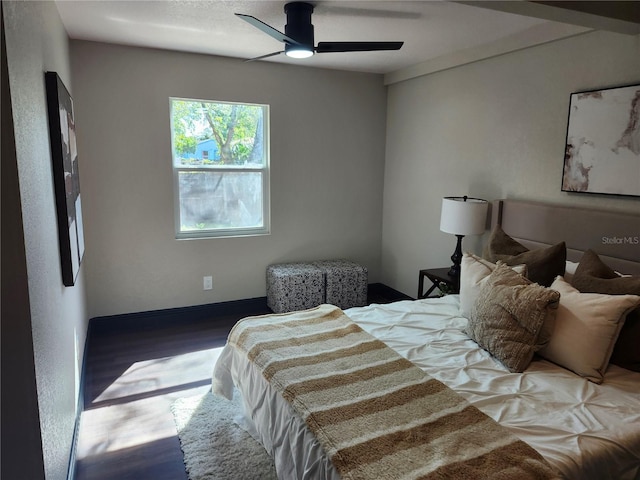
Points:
207	283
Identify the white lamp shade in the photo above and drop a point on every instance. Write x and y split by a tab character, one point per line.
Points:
463	215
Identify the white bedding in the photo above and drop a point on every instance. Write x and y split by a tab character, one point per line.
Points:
585	431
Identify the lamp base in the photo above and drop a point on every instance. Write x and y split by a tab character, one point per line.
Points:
456	258
454	271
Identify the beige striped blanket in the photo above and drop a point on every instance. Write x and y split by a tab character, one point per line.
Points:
376	414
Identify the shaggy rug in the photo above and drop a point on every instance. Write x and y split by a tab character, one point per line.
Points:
213	445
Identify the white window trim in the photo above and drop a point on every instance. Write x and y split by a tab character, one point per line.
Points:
265	170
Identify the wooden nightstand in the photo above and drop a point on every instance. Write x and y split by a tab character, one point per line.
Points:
437	276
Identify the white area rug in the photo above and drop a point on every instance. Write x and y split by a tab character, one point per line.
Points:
214	446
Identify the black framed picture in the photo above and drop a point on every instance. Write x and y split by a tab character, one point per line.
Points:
602	151
66	178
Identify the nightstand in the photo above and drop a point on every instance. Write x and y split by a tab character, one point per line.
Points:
437	276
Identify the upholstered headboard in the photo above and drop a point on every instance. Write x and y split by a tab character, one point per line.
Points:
614	236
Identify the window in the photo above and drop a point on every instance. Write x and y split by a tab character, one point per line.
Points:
220	155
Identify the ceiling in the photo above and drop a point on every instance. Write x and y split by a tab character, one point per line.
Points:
437	34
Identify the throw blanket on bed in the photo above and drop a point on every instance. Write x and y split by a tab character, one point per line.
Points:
376	414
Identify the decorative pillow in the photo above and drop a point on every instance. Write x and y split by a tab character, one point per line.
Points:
594	276
474	272
626	352
543	265
570	270
570	267
512	318
587	326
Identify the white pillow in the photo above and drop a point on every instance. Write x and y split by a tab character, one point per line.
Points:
586	330
570	270
473	274
570	267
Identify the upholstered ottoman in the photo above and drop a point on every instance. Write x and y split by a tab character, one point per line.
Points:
345	283
294	286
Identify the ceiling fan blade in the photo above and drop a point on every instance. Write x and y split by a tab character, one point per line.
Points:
325	47
264	56
269	30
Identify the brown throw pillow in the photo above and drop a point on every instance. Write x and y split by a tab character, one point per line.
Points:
512	318
626	353
543	265
594	276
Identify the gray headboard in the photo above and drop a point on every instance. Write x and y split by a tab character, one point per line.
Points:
614	236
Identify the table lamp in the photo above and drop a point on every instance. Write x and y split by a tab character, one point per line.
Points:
462	216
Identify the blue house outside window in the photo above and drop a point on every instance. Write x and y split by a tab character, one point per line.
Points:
205	150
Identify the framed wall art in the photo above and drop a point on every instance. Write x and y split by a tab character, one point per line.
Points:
66	179
602	151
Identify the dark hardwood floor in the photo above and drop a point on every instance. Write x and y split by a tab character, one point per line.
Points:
135	368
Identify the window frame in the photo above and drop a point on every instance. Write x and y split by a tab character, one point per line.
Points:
263	170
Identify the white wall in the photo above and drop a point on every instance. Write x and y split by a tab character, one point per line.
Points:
327	160
490	129
36	42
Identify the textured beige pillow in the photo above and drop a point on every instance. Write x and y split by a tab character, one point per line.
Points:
587	326
512	318
474	272
594	276
543	265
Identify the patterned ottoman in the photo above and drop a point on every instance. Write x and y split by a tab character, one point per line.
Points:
294	286
345	283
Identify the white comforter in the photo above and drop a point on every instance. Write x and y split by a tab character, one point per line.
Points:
585	431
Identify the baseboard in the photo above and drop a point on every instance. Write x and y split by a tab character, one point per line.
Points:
178	316
199	313
71	469
380	289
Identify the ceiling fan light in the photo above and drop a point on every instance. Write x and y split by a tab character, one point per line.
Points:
299	52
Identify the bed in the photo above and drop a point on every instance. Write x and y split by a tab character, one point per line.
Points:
582	420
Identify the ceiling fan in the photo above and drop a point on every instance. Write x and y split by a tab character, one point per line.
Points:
298	37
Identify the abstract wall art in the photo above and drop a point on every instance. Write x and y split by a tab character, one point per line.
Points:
602	151
66	179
